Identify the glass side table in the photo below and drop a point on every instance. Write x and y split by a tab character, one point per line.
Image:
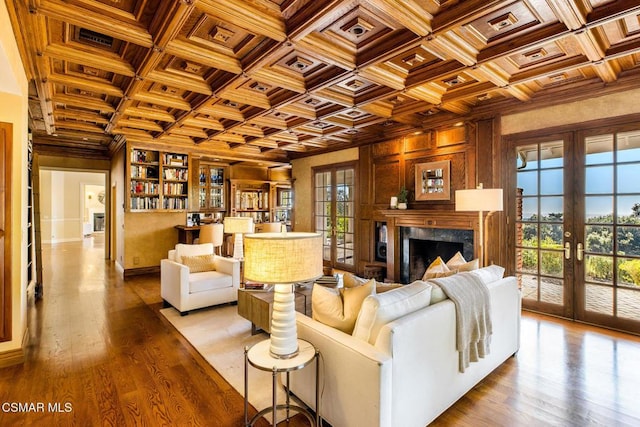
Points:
259	357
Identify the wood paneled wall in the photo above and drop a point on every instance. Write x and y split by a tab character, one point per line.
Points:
386	166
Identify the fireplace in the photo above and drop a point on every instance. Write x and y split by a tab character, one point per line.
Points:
421	246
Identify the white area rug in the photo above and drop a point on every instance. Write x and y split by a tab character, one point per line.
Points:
220	335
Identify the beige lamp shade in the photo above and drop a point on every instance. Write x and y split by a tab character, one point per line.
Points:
211	233
238	224
283	257
479	199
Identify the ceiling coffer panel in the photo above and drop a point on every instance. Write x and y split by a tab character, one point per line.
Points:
271	80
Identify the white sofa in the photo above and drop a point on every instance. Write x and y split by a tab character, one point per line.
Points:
410	375
189	291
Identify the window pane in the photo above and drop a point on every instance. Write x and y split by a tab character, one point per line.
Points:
528	181
599	149
628	303
529	286
551	264
527	157
599	209
551	181
551	234
628	210
599	299
628	241
551	209
629	273
551	155
551	290
529	208
599	239
599	269
629	146
529	235
629	178
529	260
599	180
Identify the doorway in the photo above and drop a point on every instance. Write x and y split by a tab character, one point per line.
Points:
575	198
334	214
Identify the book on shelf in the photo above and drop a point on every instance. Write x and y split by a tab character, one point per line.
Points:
263	287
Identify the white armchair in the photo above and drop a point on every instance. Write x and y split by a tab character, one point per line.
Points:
186	291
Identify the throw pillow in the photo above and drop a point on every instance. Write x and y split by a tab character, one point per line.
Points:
199	263
437	269
350	280
339	308
468	266
378	310
456	261
183	249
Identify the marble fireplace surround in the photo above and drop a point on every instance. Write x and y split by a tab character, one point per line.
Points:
403	225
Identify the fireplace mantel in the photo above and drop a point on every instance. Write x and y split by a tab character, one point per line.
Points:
422	218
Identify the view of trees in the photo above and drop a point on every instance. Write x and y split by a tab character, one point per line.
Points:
599	246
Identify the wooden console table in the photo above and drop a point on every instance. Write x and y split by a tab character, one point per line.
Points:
256	306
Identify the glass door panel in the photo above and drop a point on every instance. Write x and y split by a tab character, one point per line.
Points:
334	191
611	231
540	261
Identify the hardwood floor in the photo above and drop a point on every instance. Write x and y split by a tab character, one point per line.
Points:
100	350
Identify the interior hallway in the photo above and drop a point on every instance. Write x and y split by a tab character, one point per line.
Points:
100	350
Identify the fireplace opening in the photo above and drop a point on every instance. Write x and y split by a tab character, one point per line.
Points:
420	246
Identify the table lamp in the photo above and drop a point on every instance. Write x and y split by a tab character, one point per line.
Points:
481	200
238	225
283	259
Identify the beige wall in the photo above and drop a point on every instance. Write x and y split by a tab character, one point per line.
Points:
14	110
63	209
614	105
302	180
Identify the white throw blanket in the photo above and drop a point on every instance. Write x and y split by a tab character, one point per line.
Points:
473	315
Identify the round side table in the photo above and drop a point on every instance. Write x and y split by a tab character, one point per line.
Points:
259	357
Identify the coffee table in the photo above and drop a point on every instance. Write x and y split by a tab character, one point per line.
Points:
256	306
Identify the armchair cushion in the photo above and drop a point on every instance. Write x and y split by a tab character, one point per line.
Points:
199	263
208	281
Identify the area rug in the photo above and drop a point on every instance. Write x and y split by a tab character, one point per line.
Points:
220	335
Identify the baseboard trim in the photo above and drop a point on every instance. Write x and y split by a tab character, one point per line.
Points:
130	272
11	358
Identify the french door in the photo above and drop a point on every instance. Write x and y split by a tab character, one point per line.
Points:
575	200
334	214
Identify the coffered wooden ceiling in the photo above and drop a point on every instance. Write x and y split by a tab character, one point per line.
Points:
271	79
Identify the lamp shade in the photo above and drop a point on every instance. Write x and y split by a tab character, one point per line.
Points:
238	224
283	257
479	199
212	233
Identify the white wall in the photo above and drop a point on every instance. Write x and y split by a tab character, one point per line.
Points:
64	205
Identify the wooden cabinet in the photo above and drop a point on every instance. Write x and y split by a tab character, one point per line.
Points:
157	180
252	199
211	185
283	203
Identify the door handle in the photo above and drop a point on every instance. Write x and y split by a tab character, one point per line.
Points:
567	250
580	252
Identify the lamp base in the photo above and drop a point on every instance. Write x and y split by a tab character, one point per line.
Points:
284	333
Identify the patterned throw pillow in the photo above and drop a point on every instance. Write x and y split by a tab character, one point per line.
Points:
437	269
199	263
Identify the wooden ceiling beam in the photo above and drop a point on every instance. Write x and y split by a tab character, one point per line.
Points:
86	83
103	61
83	102
149	113
121	28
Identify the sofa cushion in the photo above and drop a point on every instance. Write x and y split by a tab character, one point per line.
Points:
183	249
437	269
490	273
208	281
339	308
380	309
199	263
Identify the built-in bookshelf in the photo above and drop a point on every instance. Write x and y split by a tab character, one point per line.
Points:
251	198
211	187
158	180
